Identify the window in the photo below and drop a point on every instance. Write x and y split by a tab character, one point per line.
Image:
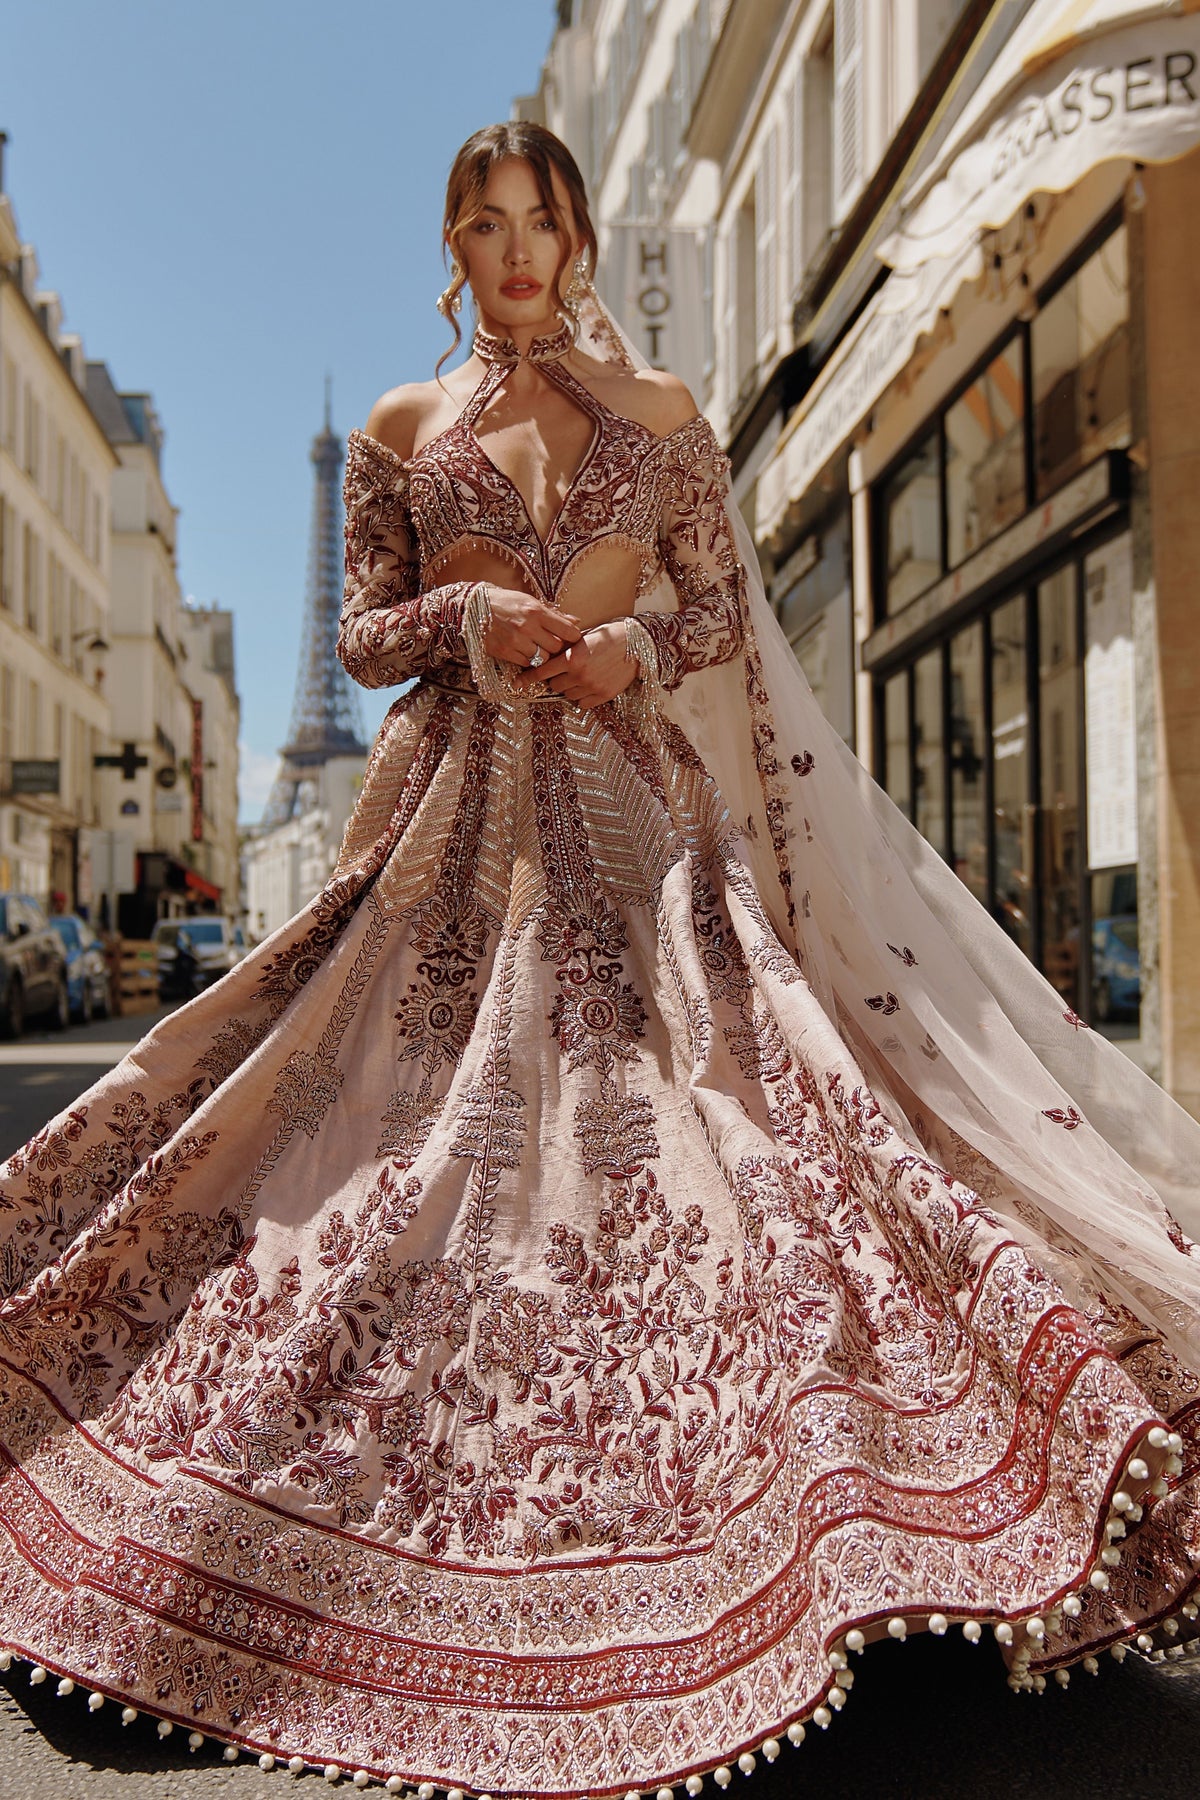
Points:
1058	782
1080	355
848	103
32	571
913	525
766	215
1011	820
967	761
929	763
897	773
8	552
985	455
744	311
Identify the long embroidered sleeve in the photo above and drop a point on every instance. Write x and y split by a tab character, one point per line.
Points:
701	557
390	630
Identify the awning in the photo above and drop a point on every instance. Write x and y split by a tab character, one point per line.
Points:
1080	82
196	884
863	366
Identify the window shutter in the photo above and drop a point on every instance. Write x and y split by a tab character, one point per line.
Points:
793	197
848	102
766	220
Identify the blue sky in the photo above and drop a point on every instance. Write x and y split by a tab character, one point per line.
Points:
232	197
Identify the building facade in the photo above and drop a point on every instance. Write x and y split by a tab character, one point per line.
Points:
947	295
285	865
168	785
55	473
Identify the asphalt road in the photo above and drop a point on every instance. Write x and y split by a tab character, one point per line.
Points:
927	1720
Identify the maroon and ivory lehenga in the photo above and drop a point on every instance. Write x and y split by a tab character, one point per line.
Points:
638	1235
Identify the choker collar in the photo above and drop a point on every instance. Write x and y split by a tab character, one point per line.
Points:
542	349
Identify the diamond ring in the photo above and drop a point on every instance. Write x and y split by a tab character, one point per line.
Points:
538	657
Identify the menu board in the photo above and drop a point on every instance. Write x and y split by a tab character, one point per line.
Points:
1109	694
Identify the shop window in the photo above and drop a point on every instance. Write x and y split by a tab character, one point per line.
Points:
815	612
1011	821
985	455
1080	349
897	773
912	515
1112	827
1058	783
968	820
929	771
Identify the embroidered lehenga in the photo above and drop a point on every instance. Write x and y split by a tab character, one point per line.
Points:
529	1324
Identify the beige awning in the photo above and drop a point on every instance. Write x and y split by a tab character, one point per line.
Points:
1080	82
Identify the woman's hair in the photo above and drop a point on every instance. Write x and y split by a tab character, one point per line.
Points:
469	172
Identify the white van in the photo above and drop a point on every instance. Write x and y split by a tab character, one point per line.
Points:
217	944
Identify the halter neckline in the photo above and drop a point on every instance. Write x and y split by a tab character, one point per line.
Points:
549	348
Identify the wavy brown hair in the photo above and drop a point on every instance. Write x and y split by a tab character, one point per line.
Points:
469	172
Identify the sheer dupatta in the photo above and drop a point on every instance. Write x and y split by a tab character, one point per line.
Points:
970	1051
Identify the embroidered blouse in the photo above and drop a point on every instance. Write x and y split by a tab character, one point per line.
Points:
661	497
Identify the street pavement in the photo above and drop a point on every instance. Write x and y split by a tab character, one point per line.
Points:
927	1720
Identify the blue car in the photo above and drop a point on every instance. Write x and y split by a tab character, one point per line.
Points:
87	971
1116	968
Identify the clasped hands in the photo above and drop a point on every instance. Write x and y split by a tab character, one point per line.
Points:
587	667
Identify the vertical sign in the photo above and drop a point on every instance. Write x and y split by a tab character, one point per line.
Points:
653	278
1109	707
197	771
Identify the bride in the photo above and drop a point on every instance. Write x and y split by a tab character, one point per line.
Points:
642	1232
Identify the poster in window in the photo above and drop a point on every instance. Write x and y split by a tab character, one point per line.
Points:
1109	700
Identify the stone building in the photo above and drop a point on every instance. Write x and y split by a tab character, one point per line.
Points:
55	472
949	344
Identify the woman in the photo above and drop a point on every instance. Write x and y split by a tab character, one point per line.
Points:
642	1232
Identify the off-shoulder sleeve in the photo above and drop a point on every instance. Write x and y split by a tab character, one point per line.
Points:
390	630
698	550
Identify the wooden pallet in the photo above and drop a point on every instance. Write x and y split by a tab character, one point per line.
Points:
139	975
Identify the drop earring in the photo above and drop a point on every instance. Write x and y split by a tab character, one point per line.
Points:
449	301
577	288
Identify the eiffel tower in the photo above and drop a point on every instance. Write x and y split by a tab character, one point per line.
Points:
326	719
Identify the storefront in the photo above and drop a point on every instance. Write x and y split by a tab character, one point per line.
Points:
1014	423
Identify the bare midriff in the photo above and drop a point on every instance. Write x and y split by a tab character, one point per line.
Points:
600	585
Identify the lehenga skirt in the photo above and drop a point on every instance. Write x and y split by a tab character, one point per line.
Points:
495	1338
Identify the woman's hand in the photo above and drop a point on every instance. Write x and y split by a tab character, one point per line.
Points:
519	625
589	672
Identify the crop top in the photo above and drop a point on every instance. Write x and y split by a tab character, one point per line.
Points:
658	497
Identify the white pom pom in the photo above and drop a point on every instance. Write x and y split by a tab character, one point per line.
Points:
722	1776
694	1785
266	1762
360	1779
332	1773
898	1628
1072	1606
1091	1665
1036	1627
165	1728
95	1702
1158	1438
231	1753
1099	1579
37	1675
972	1631
1122	1502
823	1717
195	1739
795	1732
67	1686
1063	1677
1137	1470
939	1624
128	1715
1120	1652
856	1641
770	1748
746	1763
1004	1632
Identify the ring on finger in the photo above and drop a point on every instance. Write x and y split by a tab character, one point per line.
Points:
538	657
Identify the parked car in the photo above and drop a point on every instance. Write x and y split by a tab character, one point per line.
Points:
87	968
212	946
33	967
1116	968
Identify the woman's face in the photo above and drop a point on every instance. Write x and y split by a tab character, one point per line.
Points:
514	248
